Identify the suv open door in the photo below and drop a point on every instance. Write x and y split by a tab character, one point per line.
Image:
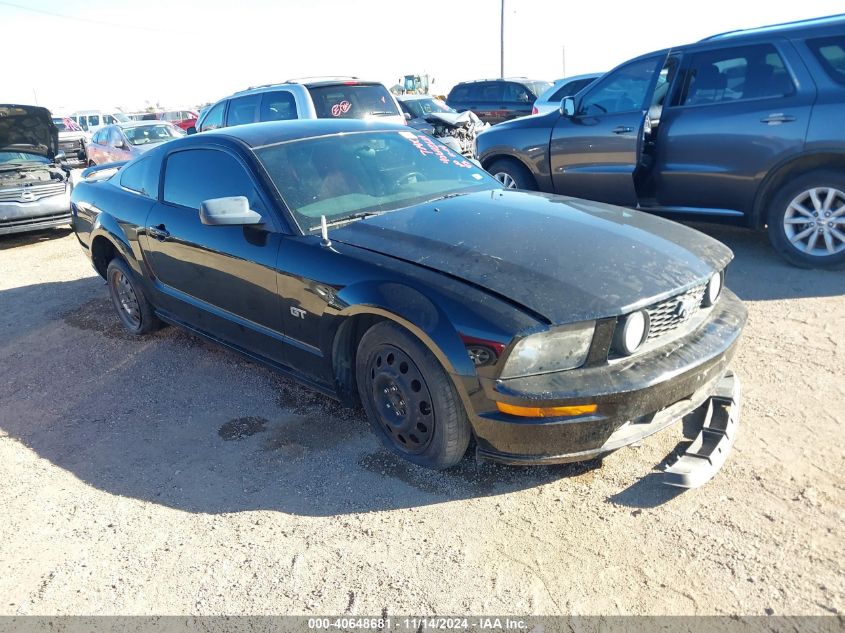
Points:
595	151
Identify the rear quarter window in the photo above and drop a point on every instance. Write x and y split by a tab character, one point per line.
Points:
830	52
141	177
352	101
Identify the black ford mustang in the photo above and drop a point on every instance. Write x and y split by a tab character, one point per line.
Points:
376	265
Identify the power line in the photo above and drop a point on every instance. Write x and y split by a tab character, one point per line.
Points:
89	20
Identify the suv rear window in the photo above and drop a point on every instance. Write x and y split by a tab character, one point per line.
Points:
830	51
352	101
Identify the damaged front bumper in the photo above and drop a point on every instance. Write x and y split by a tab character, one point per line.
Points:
635	398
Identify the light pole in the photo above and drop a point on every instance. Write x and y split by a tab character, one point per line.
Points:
502	43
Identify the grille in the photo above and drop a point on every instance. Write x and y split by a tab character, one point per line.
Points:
71	145
19	194
674	312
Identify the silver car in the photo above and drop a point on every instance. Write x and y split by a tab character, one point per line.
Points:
34	184
125	141
566	87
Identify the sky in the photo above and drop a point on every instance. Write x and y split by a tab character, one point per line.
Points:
80	54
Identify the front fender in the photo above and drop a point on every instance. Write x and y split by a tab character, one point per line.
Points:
410	308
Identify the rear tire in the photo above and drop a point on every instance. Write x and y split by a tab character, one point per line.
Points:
135	312
807	220
512	174
410	400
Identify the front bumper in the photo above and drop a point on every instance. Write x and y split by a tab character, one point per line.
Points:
17	217
636	397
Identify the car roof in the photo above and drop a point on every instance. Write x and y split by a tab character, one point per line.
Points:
306	82
271	132
123	124
515	79
799	27
415	97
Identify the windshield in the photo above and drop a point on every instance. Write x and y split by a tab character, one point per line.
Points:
153	133
342	175
352	101
120	117
419	108
21	157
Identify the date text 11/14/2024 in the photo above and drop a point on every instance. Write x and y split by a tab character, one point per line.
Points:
418	624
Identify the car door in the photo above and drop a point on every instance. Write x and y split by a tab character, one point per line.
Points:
220	280
594	153
517	101
739	111
97	149
118	146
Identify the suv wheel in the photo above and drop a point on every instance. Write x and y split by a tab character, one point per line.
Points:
409	399
511	174
807	220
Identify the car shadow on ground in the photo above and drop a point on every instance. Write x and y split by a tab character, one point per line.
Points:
15	240
176	421
758	273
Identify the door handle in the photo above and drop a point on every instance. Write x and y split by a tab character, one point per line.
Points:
777	118
159	232
622	129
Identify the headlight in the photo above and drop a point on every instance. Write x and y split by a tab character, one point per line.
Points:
564	347
631	332
714	289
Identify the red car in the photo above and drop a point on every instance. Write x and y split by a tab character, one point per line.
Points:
184	119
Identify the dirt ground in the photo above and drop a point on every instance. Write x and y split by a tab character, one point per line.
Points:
169	476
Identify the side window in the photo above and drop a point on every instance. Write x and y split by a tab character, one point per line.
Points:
243	110
623	90
109	119
115	138
489	91
748	72
214	119
515	93
459	93
100	137
222	176
277	106
830	51
141	177
94	120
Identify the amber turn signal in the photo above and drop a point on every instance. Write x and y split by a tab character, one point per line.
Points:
546	412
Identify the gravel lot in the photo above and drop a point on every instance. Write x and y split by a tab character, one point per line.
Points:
168	476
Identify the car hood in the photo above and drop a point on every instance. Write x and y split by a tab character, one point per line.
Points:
28	129
564	259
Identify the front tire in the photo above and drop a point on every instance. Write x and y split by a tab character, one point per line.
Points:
512	174
135	312
807	220
409	399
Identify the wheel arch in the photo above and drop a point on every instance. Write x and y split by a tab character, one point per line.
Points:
793	168
107	241
409	309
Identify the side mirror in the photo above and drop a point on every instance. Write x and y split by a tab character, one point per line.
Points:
567	106
407	116
227	211
191	130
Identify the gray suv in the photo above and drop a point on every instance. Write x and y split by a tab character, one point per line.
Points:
316	98
744	127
